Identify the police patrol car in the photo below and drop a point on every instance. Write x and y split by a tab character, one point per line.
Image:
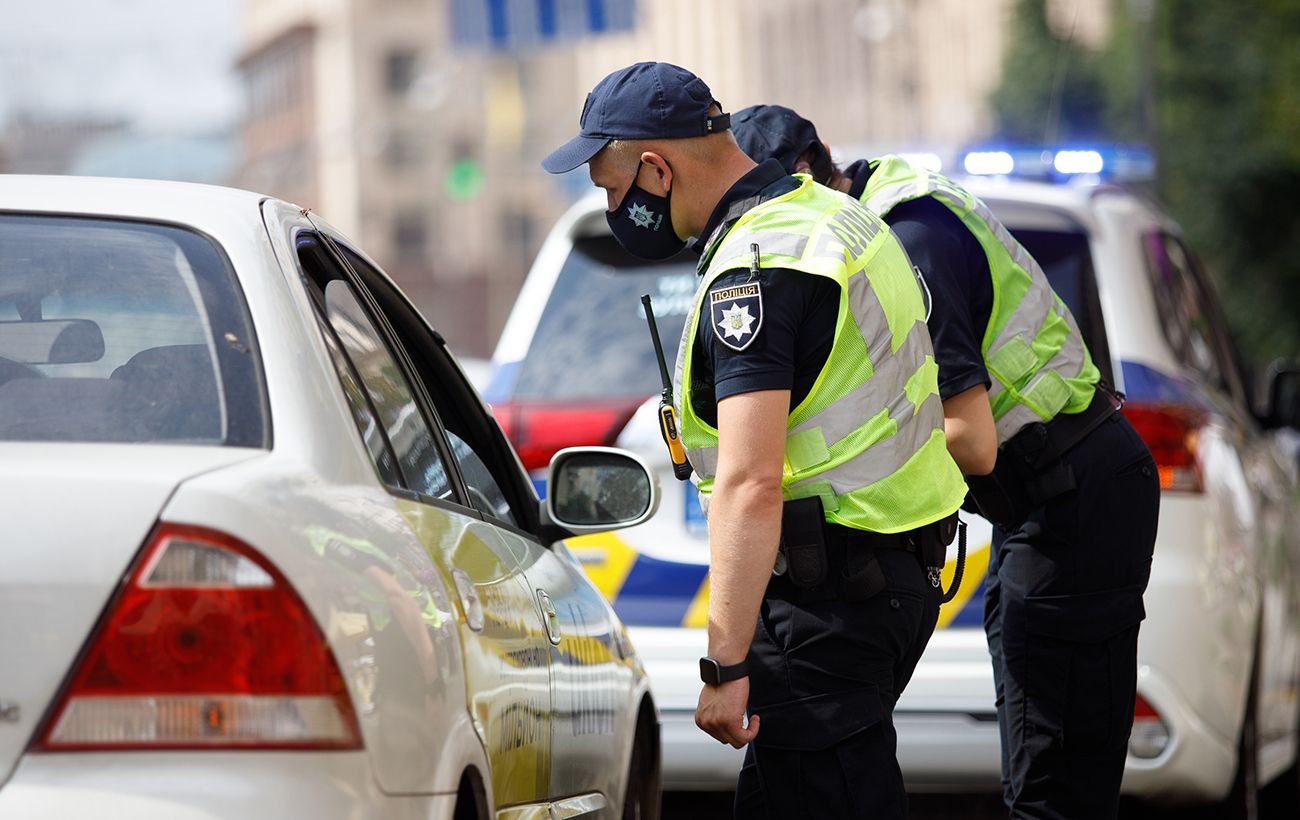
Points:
260	533
1218	709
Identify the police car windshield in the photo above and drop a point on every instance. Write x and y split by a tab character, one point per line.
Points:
591	341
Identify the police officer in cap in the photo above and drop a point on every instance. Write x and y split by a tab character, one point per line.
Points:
809	408
1050	461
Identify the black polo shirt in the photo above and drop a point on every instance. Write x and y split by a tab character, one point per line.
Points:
956	271
791	342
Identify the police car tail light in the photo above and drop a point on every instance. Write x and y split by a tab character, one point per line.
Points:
1150	735
1170	432
539	431
206	645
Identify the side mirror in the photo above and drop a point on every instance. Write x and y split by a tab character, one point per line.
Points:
1283	403
593	489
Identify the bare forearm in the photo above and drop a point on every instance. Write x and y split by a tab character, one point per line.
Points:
963	450
970	432
744	531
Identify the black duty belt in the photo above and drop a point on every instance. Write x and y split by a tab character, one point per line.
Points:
845	562
1030	470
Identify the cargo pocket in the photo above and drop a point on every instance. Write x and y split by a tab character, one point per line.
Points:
1082	670
818	722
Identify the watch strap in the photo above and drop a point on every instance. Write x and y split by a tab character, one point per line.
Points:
714	673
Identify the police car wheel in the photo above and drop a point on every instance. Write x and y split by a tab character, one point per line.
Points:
1242	802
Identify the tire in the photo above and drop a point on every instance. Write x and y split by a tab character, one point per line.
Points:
471	804
1281	798
1242	802
641	795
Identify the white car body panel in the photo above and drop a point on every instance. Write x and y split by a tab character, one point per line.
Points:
433	696
55	582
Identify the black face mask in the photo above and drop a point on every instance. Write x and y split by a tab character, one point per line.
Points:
642	225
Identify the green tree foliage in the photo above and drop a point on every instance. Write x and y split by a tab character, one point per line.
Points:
1035	63
1226	84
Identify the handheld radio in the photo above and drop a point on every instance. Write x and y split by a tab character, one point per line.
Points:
667	414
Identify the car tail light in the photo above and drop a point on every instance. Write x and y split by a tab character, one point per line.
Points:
539	431
205	646
1170	432
1150	735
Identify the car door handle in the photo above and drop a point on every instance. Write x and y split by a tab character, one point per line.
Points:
549	616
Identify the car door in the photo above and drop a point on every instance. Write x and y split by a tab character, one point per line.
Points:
591	665
504	649
1275	542
1254	508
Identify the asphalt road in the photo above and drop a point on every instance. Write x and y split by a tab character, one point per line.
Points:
717	806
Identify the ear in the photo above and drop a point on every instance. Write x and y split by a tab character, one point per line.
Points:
663	177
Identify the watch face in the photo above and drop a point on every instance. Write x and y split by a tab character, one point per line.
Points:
709	671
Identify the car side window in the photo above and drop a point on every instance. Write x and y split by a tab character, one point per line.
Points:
458	414
1191	317
394	430
1182	318
363	414
407	431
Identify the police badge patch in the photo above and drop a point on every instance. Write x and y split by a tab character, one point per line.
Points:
736	313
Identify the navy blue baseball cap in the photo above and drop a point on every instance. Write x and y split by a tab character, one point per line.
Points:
641	102
776	132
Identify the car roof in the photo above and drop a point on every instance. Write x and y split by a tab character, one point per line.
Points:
210	208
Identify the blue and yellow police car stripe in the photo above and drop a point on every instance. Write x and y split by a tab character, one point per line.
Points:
649	591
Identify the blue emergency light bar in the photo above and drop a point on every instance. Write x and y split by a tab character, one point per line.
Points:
1120	163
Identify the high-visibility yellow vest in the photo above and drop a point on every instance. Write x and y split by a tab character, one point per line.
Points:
1037	361
868	438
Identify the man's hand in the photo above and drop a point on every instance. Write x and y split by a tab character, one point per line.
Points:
721	712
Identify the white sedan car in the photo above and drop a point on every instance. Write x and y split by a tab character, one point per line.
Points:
266	553
1218	712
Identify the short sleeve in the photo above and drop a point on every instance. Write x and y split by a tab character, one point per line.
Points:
956	271
788	305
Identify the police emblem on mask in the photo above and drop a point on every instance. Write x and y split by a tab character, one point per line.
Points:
643	217
736	313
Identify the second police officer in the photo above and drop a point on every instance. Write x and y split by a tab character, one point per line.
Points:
1073	489
809	406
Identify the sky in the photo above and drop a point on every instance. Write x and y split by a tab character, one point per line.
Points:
164	65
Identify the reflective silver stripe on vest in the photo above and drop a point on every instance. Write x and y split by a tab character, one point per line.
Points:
865	307
736	252
1038	299
889	379
885	457
1014	420
704	460
692	319
1068	363
1030	315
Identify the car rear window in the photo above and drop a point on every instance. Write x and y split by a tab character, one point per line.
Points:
118	331
591	341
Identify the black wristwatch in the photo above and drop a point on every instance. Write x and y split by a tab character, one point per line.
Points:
714	673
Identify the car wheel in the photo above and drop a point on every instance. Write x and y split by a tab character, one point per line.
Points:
1281	798
641	796
1243	801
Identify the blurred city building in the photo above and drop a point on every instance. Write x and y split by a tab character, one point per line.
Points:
39	143
416	126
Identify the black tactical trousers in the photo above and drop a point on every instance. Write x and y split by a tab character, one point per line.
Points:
824	678
1063	602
